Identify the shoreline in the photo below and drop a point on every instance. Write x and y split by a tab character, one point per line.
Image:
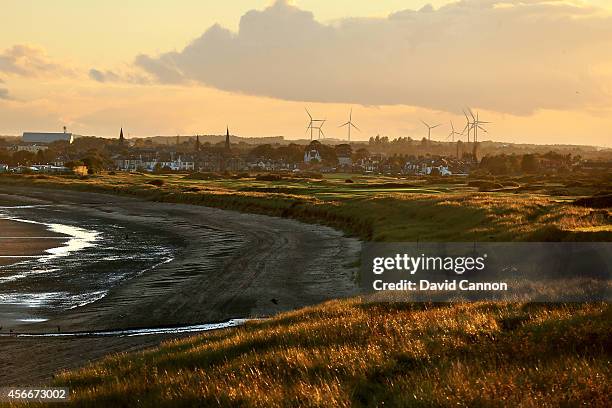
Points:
20	239
230	265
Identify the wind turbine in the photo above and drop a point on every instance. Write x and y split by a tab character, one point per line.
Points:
350	124
321	130
476	122
468	126
313	125
452	134
429	129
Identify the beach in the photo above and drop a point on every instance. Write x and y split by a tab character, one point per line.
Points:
222	265
22	239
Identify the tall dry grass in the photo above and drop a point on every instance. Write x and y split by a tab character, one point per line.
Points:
352	353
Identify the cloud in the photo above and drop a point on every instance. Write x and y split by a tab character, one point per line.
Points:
29	61
503	55
100	76
4	93
112	76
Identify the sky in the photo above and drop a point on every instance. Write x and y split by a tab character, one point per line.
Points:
539	70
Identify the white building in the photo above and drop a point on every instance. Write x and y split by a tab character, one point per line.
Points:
33	148
345	161
46	168
312	154
148	164
426	168
175	165
42	138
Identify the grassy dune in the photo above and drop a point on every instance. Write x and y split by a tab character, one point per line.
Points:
352	353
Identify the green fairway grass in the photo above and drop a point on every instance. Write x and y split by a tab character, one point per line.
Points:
427	209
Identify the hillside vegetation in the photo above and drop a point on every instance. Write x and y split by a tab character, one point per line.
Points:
384	208
353	353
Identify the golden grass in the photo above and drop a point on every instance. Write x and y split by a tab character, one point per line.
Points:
353	353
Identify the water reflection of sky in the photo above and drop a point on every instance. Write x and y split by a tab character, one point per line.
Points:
75	239
140	332
94	256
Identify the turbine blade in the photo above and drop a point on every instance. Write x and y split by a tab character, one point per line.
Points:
439	124
344	124
355	127
309	115
471	113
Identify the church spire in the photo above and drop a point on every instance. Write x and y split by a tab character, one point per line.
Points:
227	139
121	138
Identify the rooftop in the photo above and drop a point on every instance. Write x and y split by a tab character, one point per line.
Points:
46	138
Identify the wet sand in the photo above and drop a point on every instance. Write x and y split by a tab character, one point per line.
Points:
19	239
274	265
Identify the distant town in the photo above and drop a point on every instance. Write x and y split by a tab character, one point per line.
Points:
65	153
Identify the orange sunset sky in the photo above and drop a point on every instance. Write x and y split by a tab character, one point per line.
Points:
540	70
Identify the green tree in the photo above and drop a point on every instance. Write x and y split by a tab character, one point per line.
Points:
23	158
530	163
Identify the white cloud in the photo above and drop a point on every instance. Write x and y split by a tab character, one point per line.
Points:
29	61
506	56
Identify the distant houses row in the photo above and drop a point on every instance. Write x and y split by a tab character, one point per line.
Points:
210	162
121	155
221	158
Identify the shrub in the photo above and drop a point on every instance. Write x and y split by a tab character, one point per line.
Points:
598	201
156	182
311	174
268	177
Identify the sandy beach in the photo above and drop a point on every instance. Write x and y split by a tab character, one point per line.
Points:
228	265
21	239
